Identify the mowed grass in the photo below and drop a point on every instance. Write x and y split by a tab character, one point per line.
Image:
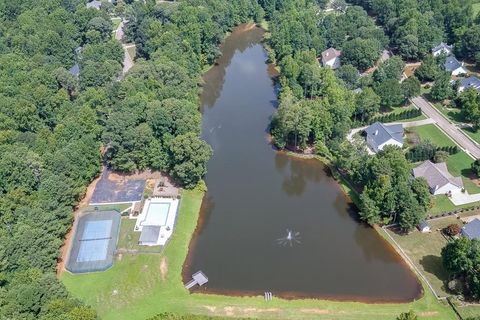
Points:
116	23
424	249
134	289
128	238
434	134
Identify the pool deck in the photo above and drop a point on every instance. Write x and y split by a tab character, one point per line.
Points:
166	230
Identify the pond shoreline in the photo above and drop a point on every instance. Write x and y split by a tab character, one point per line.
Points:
191	264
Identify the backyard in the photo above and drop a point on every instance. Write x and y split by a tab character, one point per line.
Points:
142	285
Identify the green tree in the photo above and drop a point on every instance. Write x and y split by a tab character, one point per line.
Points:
367	104
411	87
189	159
428	70
442	89
407	316
361	53
391	93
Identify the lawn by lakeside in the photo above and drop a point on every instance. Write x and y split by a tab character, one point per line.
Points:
140	286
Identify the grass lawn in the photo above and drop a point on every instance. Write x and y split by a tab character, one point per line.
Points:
453	114
128	238
143	292
424	249
475	135
116	23
469	311
434	134
132	51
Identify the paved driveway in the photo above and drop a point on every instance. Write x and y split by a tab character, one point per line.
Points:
449	128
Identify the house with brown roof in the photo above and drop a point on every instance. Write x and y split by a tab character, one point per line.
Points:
331	58
439	180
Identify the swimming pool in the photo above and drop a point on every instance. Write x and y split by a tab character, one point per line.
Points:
157	214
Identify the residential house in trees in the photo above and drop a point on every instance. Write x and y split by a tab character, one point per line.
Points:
442	48
470	82
439	180
454	66
331	58
380	135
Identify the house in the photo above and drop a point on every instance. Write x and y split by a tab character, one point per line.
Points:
472	229
423	226
331	58
442	48
439	180
470	82
95	4
75	70
380	135
454	66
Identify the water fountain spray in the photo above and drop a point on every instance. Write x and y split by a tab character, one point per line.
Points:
291	238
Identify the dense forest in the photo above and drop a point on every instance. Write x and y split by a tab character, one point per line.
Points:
54	125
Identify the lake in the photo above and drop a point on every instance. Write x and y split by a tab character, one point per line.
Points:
257	194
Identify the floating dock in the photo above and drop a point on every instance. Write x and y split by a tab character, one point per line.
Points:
198	278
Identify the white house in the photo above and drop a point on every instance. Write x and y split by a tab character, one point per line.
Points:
454	66
95	4
442	48
439	180
470	82
380	135
331	58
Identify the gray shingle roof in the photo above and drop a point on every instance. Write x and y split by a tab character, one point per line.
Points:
75	70
330	54
436	174
442	46
423	224
472	229
452	64
470	82
379	133
149	234
94	4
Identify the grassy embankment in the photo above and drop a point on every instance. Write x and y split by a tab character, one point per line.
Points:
139	286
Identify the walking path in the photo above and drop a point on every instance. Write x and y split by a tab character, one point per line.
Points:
470	147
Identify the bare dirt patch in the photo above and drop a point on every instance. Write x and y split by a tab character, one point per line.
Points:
315	311
66	244
211	308
163	268
428	313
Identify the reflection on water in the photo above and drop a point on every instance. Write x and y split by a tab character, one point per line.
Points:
256	195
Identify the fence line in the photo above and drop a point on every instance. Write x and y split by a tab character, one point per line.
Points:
413	265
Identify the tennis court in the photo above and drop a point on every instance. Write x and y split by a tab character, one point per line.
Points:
94	243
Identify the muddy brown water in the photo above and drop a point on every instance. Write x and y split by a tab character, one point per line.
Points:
256	193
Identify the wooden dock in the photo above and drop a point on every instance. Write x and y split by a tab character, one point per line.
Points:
198	278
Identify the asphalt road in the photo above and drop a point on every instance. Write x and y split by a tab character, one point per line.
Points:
449	128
